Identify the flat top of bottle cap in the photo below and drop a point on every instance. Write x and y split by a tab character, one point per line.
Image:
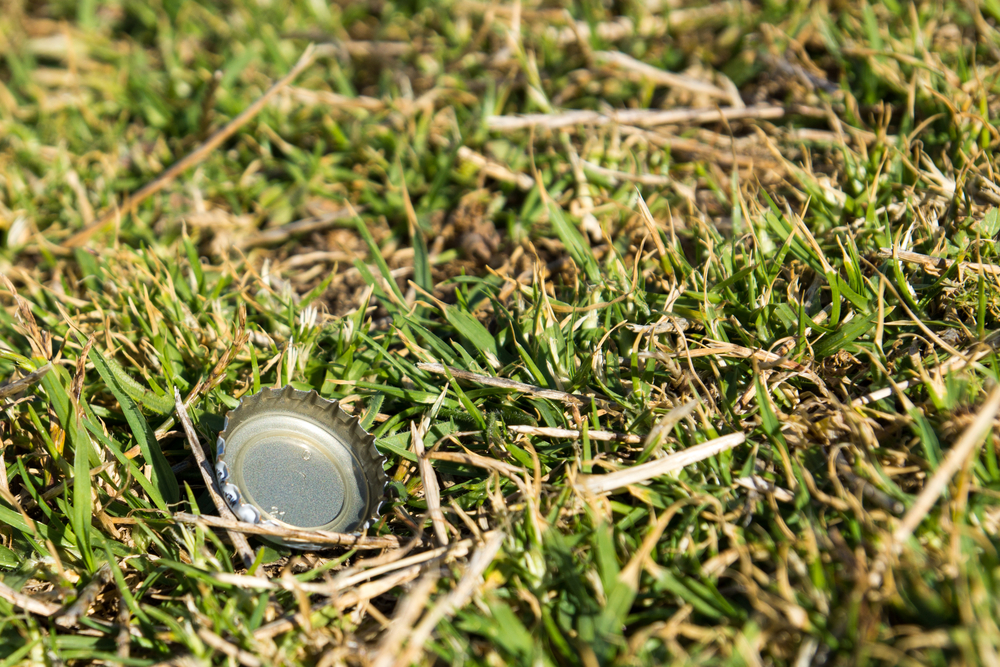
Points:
290	457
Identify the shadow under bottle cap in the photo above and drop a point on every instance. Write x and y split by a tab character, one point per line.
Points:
289	457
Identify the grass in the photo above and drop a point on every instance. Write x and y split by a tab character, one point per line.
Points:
819	277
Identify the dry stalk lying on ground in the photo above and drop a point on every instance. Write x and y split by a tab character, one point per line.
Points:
290	534
663	466
504	383
634	117
191	159
207	474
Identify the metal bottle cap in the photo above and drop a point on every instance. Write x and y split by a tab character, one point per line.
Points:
289	457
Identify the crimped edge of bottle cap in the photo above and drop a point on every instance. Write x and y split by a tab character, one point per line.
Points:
326	413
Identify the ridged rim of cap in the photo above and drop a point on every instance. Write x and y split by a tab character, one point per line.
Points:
331	417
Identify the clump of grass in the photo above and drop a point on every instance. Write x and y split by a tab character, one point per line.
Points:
473	225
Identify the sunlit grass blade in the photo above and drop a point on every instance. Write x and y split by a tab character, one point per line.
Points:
162	476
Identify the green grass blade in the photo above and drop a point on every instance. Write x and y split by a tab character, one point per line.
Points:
162	476
82	506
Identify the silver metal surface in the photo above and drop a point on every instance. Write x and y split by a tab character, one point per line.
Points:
288	457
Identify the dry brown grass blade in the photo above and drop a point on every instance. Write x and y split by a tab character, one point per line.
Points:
281	234
234	652
503	383
615	176
659	76
552	432
351	576
194	157
448	553
760	485
971	438
432	492
239	541
478	461
950	366
335	101
495	170
920	323
292	534
218	372
350	598
457	598
635	117
373	589
85	599
646	471
723	349
124	636
30	503
937	264
408	610
20	384
40	341
700	150
513	473
28	603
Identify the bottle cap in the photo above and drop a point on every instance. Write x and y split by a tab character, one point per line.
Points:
288	457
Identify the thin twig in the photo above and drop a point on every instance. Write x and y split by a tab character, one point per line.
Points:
294	534
646	471
191	159
238	540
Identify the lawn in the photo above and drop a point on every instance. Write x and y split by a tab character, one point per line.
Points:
674	321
